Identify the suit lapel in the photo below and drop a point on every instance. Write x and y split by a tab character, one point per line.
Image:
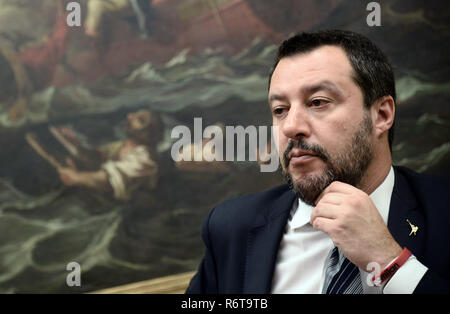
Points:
404	206
263	243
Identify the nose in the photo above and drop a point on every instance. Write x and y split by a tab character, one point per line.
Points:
296	125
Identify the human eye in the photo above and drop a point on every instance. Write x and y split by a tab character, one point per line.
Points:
278	111
318	102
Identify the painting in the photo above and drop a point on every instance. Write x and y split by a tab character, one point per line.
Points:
87	110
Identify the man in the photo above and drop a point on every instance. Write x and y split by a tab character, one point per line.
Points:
124	165
347	221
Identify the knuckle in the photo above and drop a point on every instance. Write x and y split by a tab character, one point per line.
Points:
318	209
326	197
346	213
339	227
354	202
316	223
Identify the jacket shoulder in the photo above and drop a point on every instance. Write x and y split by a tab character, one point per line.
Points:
431	192
251	202
239	213
424	184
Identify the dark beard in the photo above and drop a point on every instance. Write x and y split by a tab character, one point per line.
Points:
348	167
138	136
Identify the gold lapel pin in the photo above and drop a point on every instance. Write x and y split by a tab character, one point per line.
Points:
414	229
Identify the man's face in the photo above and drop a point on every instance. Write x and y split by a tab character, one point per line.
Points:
325	133
137	121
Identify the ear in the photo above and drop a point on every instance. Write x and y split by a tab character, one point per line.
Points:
383	114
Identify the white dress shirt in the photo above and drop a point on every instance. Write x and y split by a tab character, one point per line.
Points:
304	252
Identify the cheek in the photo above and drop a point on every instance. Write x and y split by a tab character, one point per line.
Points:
281	142
277	136
340	134
333	135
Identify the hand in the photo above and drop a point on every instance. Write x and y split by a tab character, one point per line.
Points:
71	164
352	221
69	176
70	135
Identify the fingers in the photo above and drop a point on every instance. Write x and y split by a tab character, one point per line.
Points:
68	132
63	175
328	206
68	176
325	210
337	187
323	224
334	198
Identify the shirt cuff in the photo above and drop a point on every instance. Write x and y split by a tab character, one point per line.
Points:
407	277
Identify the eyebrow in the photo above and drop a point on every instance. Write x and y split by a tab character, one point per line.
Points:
275	97
310	89
323	85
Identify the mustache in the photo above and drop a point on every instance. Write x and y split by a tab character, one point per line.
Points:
303	145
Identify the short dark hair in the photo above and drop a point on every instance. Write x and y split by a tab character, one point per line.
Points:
372	71
153	131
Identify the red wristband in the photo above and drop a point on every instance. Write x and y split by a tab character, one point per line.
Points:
392	268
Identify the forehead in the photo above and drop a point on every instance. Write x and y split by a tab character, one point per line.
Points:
143	114
326	63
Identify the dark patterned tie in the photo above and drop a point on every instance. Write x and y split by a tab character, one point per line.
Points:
341	276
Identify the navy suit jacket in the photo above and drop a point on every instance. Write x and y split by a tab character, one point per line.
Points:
242	236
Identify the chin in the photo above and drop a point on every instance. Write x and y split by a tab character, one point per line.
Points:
308	185
316	168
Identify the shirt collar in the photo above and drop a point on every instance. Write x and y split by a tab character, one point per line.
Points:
381	197
301	214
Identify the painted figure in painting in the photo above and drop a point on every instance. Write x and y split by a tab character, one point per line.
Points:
125	165
117	168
